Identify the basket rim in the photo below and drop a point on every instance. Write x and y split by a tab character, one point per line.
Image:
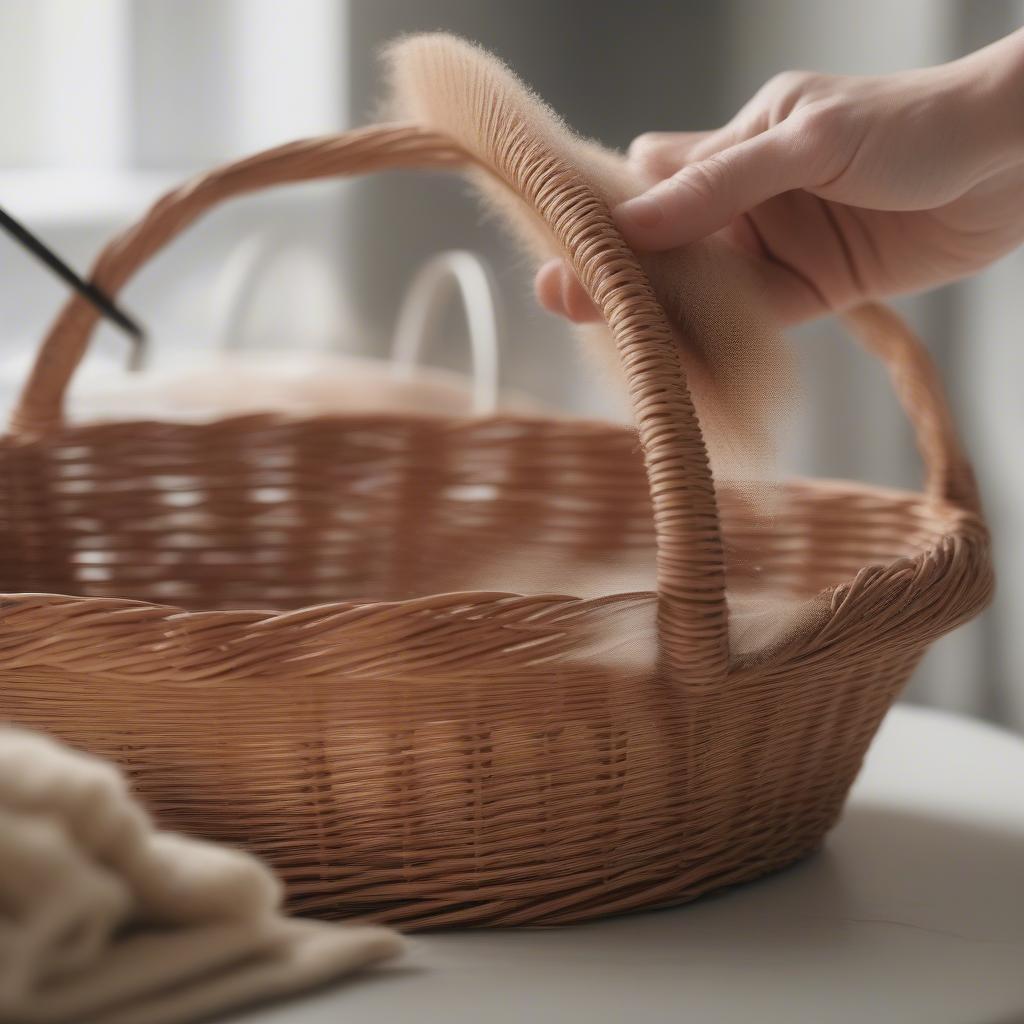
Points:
966	530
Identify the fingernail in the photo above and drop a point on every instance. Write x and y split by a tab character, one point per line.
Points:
641	212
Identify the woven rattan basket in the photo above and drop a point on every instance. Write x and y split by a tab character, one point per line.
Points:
261	619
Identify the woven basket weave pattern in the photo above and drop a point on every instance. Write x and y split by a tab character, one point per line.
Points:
267	628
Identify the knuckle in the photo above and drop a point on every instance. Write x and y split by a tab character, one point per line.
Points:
647	151
822	122
702	181
790	91
790	82
644	143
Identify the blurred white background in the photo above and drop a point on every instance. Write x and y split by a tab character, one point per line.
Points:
105	103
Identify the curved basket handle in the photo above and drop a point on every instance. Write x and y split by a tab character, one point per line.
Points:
693	628
423	303
915	379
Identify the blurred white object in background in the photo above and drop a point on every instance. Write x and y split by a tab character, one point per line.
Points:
234	380
419	316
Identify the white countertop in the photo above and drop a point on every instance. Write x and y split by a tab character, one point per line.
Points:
913	912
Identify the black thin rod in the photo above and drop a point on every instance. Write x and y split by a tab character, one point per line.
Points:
89	291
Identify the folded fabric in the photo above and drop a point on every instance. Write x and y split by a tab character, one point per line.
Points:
104	920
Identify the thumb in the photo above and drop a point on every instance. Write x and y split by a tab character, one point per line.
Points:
708	195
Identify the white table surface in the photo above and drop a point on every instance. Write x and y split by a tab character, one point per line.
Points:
913	912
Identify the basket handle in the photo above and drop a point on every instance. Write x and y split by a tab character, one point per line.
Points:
915	379
693	628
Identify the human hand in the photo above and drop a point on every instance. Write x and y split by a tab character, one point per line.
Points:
841	188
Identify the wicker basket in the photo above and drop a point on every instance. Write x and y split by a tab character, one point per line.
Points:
260	617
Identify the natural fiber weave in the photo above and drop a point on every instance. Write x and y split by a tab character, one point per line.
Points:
256	616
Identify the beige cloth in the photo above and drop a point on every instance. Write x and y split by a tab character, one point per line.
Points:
104	920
